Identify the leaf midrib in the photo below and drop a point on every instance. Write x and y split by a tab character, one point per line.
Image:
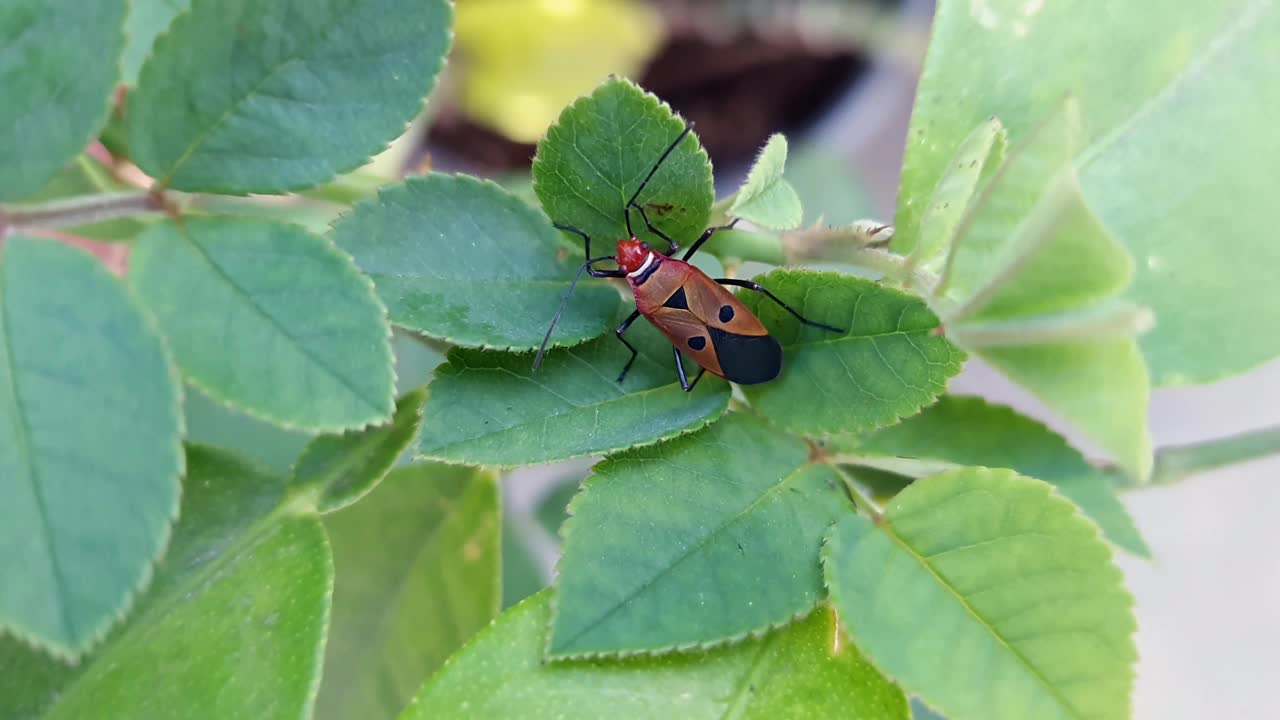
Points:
26	451
1244	21
887	527
689	552
302	51
279	327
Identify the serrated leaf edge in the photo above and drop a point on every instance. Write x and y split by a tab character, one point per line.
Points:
699	646
958	355
478	182
143	582
1052	495
323	508
1009	412
657	102
349	263
163	39
699	425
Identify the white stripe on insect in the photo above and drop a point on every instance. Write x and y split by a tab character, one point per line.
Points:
648	260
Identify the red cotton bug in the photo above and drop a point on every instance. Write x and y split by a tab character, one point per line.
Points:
697	314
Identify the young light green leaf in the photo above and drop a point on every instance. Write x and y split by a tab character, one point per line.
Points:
488	408
55	91
1183	132
463	260
971	431
988	596
596	155
147	19
979	155
234	621
1100	386
417	566
242	96
695	542
89	496
269	318
791	674
1030	256
887	364
766	199
343	468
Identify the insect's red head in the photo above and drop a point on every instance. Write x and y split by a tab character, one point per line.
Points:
631	254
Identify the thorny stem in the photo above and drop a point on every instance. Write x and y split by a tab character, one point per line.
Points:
79	210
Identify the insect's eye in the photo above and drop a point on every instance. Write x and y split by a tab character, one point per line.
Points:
644	246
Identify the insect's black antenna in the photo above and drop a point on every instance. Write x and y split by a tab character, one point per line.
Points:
670	148
537	361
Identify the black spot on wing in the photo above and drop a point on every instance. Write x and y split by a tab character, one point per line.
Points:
746	359
697	342
677	300
726	313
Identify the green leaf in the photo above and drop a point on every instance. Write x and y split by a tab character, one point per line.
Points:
979	155
1100	386
212	423
343	468
488	408
887	364
988	596
417	567
234	622
598	152
766	199
269	318
789	674
242	96
463	260
971	431
147	19
1179	149
1030	286
89	446
57	69
1029	244
695	542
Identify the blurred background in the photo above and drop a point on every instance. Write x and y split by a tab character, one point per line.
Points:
839	78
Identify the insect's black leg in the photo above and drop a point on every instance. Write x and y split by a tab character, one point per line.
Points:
672	245
760	289
706	235
692	385
626	209
684	379
618	333
586	239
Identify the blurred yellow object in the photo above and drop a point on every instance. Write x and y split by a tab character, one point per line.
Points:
522	61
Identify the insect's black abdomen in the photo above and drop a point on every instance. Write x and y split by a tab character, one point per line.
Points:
746	359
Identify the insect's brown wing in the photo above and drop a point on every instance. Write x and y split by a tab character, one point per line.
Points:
719	308
688	333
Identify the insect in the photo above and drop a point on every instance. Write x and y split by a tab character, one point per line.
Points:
696	313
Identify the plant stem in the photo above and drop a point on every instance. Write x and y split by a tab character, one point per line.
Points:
79	210
1176	463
